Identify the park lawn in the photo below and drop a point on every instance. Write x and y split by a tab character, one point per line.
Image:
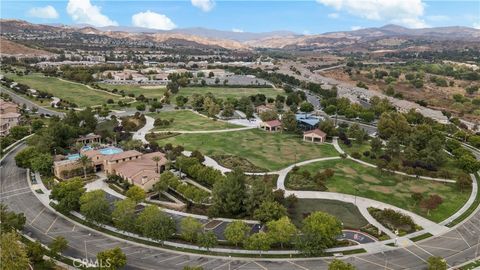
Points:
148	91
449	166
189	121
271	151
354	178
348	213
230	92
73	92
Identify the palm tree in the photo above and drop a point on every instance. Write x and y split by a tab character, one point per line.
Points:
85	161
156	159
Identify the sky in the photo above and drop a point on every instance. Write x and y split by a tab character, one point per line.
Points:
302	16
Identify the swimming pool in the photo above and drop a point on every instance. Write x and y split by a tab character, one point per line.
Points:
110	151
73	156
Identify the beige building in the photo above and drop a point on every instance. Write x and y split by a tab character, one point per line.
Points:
314	135
273	125
135	167
9	116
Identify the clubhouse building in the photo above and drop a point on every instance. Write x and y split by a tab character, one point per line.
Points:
137	168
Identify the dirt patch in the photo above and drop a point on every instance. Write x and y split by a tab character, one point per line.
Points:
419	189
348	170
382	189
370	179
152	87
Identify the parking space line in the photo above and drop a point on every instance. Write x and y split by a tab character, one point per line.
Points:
131	253
206	262
13	190
13	195
241	265
374	263
299	266
171	258
39	213
463	237
473	224
263	267
74	225
415	254
449	249
221	265
448	237
51	225
185	261
152	255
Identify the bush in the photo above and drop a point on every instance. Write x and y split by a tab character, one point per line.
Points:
356	155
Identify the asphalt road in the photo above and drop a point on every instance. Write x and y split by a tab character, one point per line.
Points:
457	246
21	100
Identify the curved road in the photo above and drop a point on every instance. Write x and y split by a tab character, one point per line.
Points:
457	246
21	100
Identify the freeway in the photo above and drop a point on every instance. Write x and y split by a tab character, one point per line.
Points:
21	100
457	246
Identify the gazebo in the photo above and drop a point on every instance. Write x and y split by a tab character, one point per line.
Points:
272	125
314	135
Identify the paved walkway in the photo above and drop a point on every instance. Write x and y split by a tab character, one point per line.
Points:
140	134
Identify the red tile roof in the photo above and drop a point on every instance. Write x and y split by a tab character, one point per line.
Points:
273	123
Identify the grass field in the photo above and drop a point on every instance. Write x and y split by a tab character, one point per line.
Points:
234	92
189	121
149	92
346	212
353	178
271	151
76	93
450	165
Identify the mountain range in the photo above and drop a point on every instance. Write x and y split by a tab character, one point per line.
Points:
377	37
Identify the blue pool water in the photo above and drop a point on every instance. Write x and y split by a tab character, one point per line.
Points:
111	151
73	156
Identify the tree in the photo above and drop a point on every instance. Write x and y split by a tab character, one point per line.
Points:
13	255
198	155
376	146
23	158
236	232
35	252
417	197
229	195
173	87
464	182
268	115
431	203
228	110
437	263
340	265
68	194
42	163
58	245
306	107
281	231
190	228
85	161
156	159
207	239
258	241
289	121
319	231
123	215
155	224
18	132
136	193
112	259
94	206
10	221
269	210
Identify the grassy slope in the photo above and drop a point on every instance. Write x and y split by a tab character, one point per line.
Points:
271	151
137	90
79	94
187	120
225	92
389	188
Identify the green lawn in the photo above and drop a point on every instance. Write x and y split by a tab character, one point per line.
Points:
234	92
385	187
271	151
76	93
450	167
346	212
147	91
189	121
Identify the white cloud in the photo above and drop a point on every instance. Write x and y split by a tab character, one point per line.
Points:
46	12
204	5
152	20
82	11
356	27
333	15
236	30
476	25
404	12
